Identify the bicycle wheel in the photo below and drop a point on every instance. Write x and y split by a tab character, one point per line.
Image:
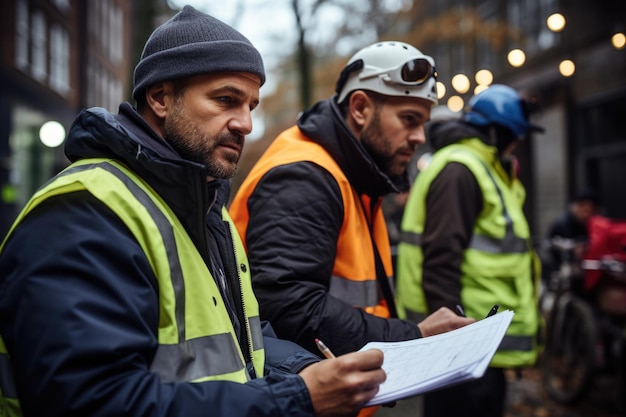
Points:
621	383
569	355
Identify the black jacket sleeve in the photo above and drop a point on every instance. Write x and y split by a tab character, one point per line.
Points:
284	355
296	212
453	203
79	313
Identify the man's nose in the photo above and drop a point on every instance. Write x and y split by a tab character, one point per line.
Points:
418	136
241	123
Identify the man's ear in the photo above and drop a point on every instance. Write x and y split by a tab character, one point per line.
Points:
160	98
360	110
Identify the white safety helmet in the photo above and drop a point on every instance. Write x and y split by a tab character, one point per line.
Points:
390	68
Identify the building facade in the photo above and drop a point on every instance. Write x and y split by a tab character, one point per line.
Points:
575	69
57	57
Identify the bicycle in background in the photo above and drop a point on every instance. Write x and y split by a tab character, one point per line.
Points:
584	302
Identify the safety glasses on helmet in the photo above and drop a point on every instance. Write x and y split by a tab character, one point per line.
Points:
414	72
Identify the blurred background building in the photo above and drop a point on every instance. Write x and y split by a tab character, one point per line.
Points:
569	57
59	56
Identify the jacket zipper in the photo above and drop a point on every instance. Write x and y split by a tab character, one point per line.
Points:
242	313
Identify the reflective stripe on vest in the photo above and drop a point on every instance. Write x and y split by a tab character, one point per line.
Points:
512	342
177	264
509	244
169	361
509	342
356	293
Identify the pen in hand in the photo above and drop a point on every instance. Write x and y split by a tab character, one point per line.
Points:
493	310
460	310
324	349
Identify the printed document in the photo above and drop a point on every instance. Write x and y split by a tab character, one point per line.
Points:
417	366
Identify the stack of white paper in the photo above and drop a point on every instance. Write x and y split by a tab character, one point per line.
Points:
421	365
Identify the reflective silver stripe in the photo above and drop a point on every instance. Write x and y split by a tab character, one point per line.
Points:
411	238
188	360
510	244
524	343
6	377
194	359
256	332
356	293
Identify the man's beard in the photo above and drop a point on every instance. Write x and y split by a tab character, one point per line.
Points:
187	140
379	149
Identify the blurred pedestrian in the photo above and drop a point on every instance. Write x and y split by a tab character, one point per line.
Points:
568	238
572	223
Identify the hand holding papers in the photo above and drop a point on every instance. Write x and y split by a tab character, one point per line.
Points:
421	365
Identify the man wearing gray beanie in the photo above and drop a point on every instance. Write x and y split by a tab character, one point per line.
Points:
125	289
193	43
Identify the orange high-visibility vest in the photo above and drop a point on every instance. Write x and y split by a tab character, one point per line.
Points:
354	272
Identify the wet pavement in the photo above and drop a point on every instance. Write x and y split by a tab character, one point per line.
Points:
528	398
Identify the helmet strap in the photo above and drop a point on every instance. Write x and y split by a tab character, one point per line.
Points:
492	135
343	77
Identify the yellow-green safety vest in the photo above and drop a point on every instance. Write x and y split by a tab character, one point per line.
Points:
498	266
191	347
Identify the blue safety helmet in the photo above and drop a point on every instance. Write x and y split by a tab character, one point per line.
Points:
500	105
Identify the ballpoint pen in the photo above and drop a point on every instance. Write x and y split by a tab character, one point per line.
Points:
324	349
460	310
493	310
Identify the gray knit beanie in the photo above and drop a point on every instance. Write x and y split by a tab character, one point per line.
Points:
192	43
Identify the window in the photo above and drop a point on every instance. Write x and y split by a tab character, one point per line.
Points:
487	47
21	35
91	77
529	17
63	5
39	45
105	29
116	92
59	59
117	32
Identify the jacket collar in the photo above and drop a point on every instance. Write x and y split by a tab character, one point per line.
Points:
126	137
323	123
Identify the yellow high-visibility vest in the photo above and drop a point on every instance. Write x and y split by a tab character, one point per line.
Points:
498	264
191	347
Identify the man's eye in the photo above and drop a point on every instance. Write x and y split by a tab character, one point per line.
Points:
410	120
225	99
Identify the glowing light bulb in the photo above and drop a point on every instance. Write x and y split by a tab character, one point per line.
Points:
567	68
516	57
556	22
